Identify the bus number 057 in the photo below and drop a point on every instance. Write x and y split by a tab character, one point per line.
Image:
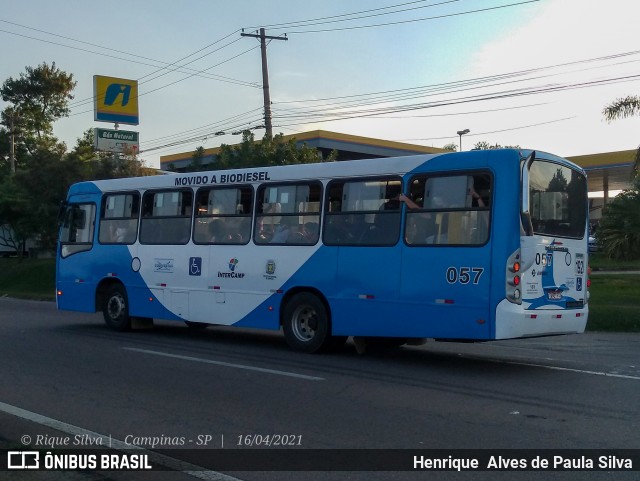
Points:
464	275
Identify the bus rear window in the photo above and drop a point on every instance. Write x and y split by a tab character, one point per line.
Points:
558	200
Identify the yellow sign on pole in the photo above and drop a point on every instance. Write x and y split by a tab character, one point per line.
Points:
116	100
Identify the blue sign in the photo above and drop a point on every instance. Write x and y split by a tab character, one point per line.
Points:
116	100
195	266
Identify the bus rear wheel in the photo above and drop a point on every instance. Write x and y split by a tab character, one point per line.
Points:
116	309
306	324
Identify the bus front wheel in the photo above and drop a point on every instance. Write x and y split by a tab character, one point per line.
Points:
116	309
306	324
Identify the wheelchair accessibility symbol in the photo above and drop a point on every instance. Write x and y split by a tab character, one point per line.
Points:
195	266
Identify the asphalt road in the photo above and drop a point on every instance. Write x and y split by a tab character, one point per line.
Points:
65	375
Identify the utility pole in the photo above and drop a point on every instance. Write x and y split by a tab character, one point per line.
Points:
265	75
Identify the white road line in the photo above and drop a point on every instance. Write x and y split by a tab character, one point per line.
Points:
581	371
226	364
107	441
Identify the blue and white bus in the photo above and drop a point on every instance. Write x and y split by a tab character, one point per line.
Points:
478	245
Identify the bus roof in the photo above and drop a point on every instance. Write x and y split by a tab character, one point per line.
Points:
332	170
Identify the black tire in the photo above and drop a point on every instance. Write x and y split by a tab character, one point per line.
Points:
306	324
116	309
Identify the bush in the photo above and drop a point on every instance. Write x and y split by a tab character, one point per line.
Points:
619	231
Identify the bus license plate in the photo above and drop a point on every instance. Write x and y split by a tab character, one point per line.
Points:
554	295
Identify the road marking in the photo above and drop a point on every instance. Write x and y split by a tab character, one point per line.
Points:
110	442
226	364
581	371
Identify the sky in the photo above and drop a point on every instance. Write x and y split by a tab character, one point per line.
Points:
531	73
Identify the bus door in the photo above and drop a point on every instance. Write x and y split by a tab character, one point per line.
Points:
446	278
75	278
363	220
164	252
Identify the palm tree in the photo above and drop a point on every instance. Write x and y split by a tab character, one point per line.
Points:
619	229
621	109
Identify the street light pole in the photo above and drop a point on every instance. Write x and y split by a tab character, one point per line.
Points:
461	133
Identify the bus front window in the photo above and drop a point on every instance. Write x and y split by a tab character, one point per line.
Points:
76	233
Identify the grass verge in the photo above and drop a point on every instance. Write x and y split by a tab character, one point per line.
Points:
613	305
28	278
599	261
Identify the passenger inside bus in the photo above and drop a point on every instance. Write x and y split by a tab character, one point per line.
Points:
449	223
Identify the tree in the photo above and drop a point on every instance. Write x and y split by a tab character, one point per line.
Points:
16	226
196	160
38	97
622	108
558	183
484	145
271	151
94	165
452	146
619	229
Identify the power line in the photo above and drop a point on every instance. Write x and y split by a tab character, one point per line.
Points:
206	130
476	98
319	21
492	131
400	22
473	80
169	84
102	54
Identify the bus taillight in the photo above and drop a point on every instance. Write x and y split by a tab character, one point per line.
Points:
513	293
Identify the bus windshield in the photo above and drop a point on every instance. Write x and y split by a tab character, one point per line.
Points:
558	197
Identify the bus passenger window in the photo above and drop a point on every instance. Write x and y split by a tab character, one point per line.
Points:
119	218
223	215
166	217
288	214
453	210
363	212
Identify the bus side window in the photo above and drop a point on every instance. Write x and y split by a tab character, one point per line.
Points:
363	212
287	213
223	215
166	217
455	210
119	218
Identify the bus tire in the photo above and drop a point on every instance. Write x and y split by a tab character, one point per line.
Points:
116	309
306	324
